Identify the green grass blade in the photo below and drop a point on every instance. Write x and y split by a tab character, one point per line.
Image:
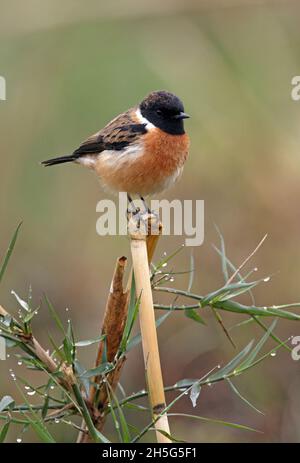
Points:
192	272
253	354
9	252
41	431
90	342
192	314
237	392
100	370
216	421
223	255
4	431
133	309
124	427
6	402
55	316
230	366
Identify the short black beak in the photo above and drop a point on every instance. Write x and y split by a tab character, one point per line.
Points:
181	115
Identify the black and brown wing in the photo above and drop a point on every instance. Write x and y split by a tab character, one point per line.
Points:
117	135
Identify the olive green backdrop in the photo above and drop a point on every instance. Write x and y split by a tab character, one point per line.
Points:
70	67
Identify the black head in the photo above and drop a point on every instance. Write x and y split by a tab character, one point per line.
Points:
165	111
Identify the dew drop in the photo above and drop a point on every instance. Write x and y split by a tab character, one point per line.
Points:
52	387
67	309
31	393
27	388
20	362
19	440
56	420
267	279
165	264
255	269
273	354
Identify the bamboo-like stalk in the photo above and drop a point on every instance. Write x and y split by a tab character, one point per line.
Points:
147	324
113	326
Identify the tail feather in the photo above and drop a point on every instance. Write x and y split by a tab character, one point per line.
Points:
60	160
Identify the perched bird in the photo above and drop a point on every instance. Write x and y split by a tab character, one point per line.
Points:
142	151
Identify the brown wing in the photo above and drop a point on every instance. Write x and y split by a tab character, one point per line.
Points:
119	133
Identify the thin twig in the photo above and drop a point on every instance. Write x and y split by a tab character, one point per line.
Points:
245	261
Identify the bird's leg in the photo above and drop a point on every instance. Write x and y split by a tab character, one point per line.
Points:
132	209
146	205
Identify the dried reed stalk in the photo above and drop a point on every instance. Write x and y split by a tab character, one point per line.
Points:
147	323
67	380
114	320
113	326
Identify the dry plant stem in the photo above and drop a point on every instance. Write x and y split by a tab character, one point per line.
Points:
44	357
148	330
113	326
114	319
39	351
246	260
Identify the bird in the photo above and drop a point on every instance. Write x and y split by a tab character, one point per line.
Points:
141	151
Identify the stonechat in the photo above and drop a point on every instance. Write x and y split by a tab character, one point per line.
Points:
142	151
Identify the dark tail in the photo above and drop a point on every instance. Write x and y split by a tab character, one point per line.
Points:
60	160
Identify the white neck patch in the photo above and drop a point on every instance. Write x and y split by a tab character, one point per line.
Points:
143	120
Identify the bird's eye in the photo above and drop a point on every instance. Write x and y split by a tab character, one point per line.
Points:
159	112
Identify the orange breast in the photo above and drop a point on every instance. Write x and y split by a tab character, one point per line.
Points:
161	160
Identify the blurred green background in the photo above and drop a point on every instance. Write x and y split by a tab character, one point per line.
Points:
70	67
